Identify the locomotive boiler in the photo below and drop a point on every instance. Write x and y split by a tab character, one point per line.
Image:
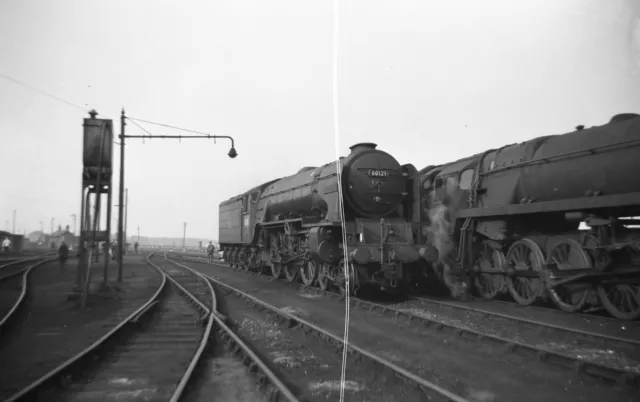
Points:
356	218
551	217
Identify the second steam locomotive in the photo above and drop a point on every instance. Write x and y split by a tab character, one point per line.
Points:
547	218
297	226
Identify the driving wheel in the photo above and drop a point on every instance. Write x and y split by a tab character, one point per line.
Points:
309	273
323	276
291	272
568	254
525	256
489	279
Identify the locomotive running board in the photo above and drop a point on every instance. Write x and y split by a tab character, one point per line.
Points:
572	204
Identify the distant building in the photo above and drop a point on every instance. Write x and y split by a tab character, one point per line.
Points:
36	237
54	239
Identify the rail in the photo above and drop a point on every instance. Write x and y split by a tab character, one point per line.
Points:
182	385
32	388
297	321
220	321
620	376
23	291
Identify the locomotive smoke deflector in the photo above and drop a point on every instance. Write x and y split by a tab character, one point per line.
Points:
362	146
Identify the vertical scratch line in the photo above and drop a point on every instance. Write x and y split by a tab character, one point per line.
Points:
336	130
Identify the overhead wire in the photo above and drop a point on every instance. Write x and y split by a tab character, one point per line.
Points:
45	93
87	110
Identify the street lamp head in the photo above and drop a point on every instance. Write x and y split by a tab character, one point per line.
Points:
232	153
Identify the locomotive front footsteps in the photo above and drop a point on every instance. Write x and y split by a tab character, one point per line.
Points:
297	226
515	218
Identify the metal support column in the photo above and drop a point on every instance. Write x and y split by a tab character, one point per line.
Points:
105	276
126	217
82	250
121	197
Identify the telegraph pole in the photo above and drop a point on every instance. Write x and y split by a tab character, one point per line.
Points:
121	197
184	235
126	216
52	220
138	234
14	221
42	227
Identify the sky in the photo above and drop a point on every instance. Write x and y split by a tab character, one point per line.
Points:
428	81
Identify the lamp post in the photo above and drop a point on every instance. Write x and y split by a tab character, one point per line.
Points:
232	154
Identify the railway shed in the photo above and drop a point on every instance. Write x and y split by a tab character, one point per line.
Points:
17	241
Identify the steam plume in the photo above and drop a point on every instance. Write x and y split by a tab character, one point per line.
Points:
440	236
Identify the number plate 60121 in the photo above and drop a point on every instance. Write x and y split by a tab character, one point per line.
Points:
378	173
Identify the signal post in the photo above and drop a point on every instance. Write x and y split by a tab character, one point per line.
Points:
121	219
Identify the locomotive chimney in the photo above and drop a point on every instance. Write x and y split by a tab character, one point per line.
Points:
362	146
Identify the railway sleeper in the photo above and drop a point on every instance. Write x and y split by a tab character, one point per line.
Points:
589	369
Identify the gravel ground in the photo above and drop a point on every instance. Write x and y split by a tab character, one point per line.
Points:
222	374
219	371
148	364
309	365
465	367
614	354
10	290
52	329
605	325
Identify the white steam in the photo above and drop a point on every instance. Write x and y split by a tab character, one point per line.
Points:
440	235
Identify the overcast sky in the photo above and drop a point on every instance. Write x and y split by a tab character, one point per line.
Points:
428	81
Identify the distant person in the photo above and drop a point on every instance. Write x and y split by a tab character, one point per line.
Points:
210	249
112	250
135	246
106	249
6	245
63	254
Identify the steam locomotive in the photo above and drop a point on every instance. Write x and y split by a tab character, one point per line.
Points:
550	217
298	227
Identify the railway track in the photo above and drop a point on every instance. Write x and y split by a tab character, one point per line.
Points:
10	264
152	354
369	369
579	327
14	289
4	260
202	294
565	347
